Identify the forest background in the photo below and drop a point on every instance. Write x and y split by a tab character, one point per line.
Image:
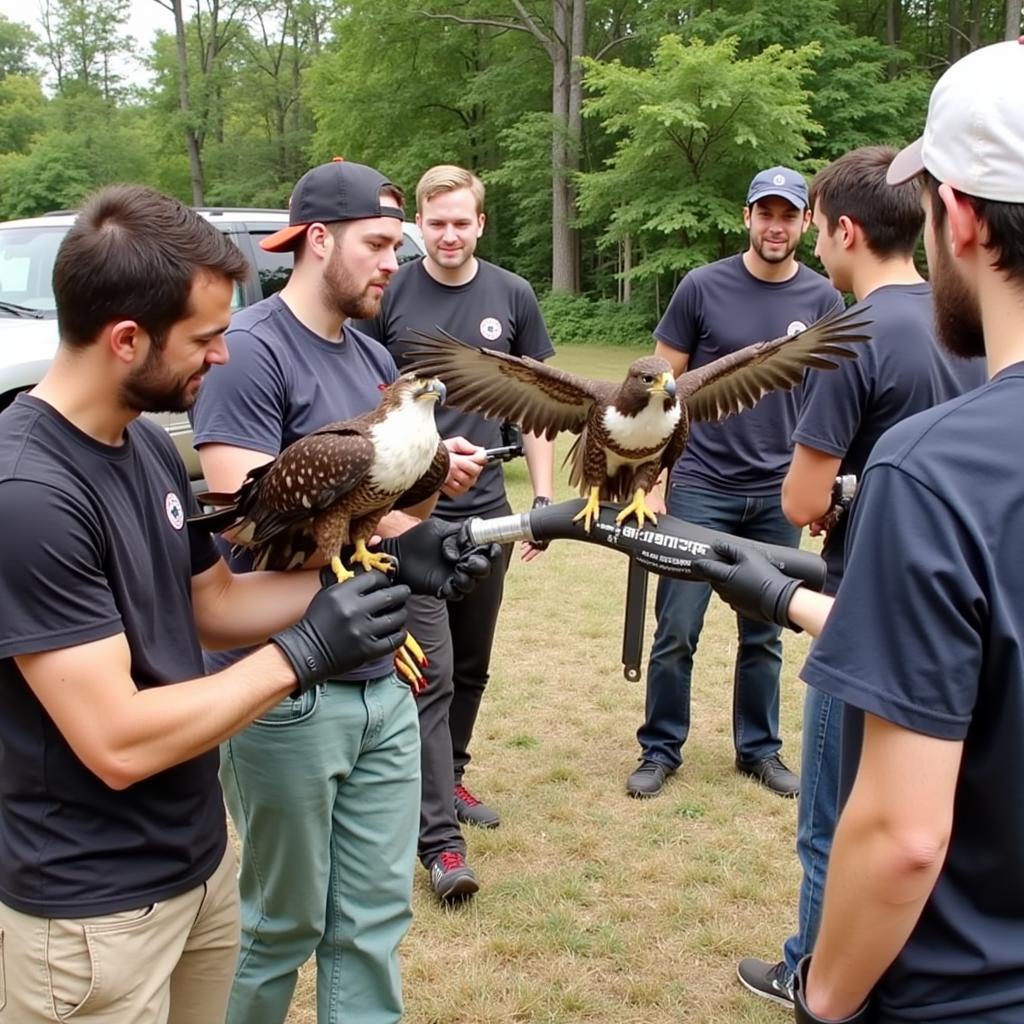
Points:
616	139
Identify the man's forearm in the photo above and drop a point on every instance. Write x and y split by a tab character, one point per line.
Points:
809	610
540	462
249	607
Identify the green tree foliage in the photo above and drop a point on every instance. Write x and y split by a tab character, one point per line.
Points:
689	129
17	43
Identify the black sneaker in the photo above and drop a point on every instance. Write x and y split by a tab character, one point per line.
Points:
772	774
452	878
471	811
648	780
771	981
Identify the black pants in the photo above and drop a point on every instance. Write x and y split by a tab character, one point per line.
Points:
457	639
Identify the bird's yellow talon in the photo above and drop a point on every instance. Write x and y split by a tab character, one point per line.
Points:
413	646
408	659
340	572
590	511
371	559
638	507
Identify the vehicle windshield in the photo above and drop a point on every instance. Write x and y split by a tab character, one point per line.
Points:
26	270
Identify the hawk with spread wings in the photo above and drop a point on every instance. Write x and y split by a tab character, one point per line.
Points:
333	486
628	432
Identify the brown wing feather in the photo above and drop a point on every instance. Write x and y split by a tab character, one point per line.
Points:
739	380
330	465
429	482
540	398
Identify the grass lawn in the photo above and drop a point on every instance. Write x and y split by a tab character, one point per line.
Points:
594	907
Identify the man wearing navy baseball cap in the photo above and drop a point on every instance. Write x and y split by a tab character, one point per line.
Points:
730	478
924	643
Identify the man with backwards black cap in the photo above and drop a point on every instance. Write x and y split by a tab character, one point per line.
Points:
730	478
324	789
923	917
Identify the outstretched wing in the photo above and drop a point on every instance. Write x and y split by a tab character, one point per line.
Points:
741	379
540	398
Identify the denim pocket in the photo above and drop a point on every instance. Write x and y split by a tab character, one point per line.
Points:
292	711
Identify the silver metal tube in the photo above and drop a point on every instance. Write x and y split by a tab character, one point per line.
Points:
502	530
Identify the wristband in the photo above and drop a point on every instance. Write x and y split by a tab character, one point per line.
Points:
805	1016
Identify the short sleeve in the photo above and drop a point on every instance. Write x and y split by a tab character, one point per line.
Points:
531	337
679	327
903	640
832	404
53	587
242	401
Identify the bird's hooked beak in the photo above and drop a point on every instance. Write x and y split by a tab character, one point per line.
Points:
665	384
431	390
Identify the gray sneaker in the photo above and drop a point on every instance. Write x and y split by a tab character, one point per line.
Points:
471	811
770	981
452	878
648	780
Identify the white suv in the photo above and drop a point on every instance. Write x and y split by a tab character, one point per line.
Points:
28	313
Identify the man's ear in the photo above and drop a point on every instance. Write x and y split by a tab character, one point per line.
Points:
965	230
849	229
127	340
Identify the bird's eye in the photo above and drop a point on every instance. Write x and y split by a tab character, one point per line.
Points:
647	379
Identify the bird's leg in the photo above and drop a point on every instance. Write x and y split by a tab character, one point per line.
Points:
590	511
638	507
371	559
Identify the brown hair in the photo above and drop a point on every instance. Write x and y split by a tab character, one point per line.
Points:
854	186
448	178
1005	223
133	254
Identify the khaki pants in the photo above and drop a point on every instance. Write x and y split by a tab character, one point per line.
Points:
169	963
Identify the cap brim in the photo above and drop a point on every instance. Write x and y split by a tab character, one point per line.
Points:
285	239
906	164
793	200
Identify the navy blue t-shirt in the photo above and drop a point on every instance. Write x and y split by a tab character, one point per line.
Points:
900	371
93	545
496	309
927	632
281	382
718	309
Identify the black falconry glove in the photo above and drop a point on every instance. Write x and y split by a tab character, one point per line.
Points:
346	625
749	582
540	502
437	559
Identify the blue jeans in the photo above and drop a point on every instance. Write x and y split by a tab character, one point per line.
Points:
816	814
680	607
324	791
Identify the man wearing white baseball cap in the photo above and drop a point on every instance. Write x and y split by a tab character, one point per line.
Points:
924	902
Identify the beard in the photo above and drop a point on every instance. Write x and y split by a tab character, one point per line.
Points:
154	388
341	293
957	313
775	255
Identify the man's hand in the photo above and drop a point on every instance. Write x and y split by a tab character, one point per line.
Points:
466	460
437	559
346	625
745	579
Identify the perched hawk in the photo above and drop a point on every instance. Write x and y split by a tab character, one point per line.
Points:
628	432
333	486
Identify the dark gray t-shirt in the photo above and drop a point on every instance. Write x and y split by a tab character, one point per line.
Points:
901	371
282	381
94	544
718	309
496	310
927	632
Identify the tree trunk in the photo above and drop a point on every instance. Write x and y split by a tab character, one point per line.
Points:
195	156
562	276
1012	19
892	32
627	266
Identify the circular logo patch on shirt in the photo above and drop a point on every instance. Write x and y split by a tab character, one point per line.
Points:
490	328
175	513
796	327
